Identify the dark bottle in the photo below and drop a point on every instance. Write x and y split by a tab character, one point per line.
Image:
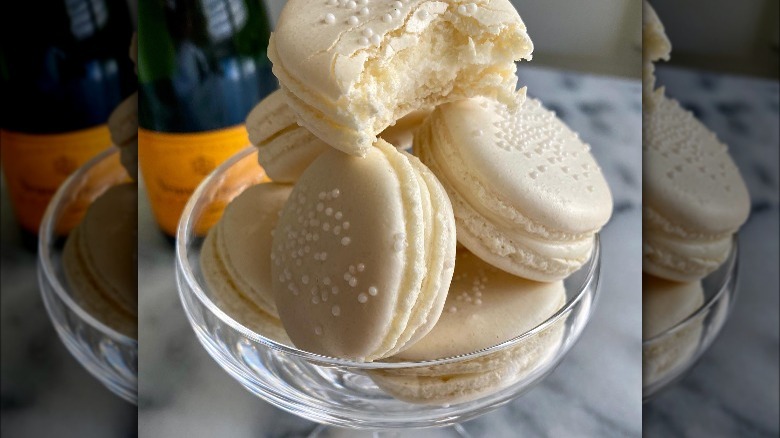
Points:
202	66
64	66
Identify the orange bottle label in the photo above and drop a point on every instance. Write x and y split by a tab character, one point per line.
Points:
35	165
173	165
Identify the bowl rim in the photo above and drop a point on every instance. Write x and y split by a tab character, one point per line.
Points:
46	240
186	227
732	267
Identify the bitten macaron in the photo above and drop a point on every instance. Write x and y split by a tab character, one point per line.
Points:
351	68
363	254
527	194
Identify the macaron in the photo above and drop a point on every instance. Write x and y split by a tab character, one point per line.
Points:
236	259
527	194
655	46
350	69
100	259
485	307
123	126
363	254
664	305
694	198
286	149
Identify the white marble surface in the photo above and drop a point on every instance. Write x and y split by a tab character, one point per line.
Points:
596	391
733	390
43	390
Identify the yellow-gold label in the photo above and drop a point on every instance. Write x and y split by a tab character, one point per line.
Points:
174	164
35	165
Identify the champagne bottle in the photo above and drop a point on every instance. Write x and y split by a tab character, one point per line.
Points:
64	66
202	67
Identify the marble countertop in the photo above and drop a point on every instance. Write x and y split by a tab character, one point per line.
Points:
733	390
43	390
594	392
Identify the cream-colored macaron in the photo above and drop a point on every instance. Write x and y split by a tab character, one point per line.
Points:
236	259
664	305
352	68
123	126
100	259
286	149
694	198
655	46
485	307
363	254
527	194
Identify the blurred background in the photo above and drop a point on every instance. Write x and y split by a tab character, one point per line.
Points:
721	37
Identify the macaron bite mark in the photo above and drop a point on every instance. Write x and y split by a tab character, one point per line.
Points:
363	254
528	196
351	68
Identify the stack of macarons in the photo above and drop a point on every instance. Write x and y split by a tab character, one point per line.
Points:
694	201
363	262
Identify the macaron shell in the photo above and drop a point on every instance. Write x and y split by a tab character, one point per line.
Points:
109	246
664	305
333	61
269	117
683	260
123	126
100	259
243	241
227	296
285	149
689	180
479	378
655	47
337	227
485	306
330	55
440	249
561	187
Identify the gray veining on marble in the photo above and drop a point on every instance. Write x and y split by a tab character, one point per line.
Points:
733	390
596	391
44	391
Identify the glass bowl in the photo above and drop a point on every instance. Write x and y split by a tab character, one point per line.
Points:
683	344
107	354
340	392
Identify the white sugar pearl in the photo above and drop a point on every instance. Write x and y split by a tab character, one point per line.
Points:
363	11
462	9
362	298
346	241
422	14
471	8
351	4
387	18
375	40
367	32
352	21
330	18
397	4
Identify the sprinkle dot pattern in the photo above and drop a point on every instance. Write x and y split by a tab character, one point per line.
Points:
319	223
541	137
